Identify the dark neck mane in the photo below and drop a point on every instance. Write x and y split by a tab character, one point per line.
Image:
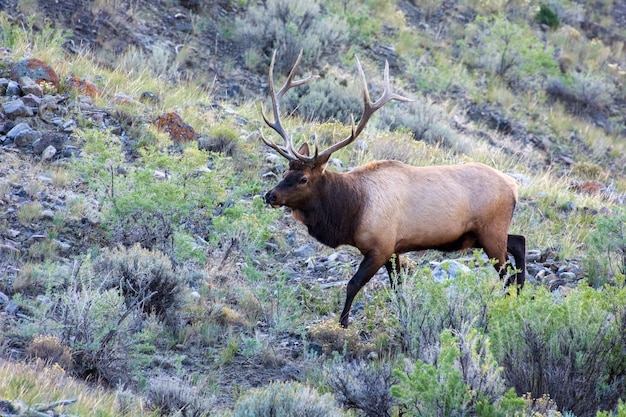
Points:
333	216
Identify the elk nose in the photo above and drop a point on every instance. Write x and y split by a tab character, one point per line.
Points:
270	198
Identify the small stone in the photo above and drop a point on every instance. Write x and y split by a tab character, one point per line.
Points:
62	246
28	86
47	139
12	133
305	251
4	83
70	152
31	100
68	126
4	299
47	214
7	126
48	153
533	255
26	138
16	108
13	89
12	308
567	276
149	97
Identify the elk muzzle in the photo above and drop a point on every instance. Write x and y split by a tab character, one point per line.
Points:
271	199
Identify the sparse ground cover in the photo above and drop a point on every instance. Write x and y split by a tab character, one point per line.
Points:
152	268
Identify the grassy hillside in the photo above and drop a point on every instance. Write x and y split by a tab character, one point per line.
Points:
141	272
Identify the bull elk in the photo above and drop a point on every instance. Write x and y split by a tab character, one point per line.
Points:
385	208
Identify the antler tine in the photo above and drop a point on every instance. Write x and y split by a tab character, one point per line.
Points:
289	82
287	151
369	107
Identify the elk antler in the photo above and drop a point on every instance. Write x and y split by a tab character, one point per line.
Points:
369	108
287	151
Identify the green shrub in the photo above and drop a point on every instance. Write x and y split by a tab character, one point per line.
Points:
173	396
456	384
508	50
425	122
145	278
96	326
172	182
222	139
621	411
431	390
161	194
325	100
247	222
362	386
583	94
509	405
426	308
547	16
605	258
286	400
361	27
289	27
571	348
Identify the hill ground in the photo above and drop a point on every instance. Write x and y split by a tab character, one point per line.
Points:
254	295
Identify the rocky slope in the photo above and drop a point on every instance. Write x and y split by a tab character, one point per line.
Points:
36	133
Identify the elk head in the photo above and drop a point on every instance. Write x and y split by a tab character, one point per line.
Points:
302	178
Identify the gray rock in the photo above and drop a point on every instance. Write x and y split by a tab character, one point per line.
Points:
567	276
62	247
4	299
16	108
49	139
305	251
448	270
17	129
4	83
533	255
13	89
291	238
26	138
29	86
31	100
70	152
12	308
48	153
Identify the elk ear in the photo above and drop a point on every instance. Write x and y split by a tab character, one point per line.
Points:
304	149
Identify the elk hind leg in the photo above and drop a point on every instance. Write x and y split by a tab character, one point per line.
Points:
516	246
495	248
393	267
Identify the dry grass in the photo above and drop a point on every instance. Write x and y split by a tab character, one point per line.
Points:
35	385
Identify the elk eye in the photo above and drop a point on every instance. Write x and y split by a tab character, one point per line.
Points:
303	180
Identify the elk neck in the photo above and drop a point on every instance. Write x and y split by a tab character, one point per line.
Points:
333	212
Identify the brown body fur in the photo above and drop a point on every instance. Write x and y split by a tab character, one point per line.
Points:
386	208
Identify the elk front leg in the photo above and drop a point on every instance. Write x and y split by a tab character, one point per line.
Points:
371	263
